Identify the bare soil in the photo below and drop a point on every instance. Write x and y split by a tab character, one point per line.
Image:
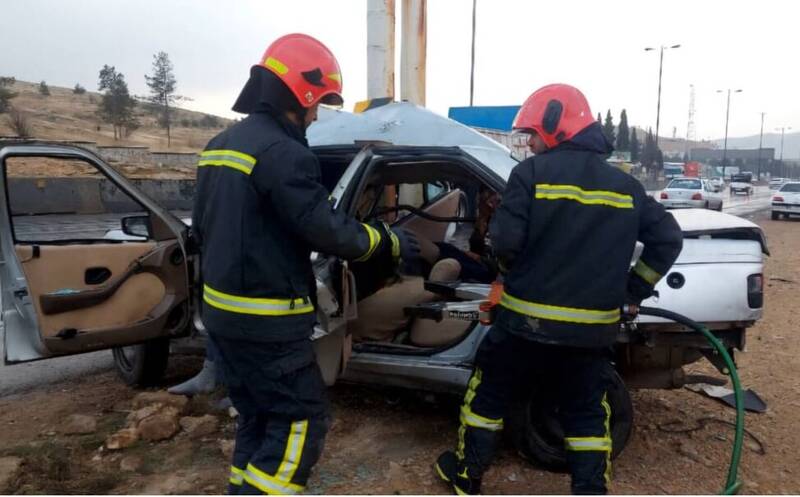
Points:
384	441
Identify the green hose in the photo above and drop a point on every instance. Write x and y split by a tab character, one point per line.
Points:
732	484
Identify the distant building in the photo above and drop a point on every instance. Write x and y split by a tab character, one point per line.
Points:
748	156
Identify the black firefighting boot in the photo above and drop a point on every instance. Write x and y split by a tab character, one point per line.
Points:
454	473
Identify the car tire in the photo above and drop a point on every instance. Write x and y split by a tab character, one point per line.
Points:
775	216
719	207
144	364
534	430
707	206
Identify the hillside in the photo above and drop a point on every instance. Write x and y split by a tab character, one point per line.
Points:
64	115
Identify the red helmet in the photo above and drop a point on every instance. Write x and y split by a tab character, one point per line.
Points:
307	68
556	112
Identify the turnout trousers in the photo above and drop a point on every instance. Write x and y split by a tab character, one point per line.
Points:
278	390
506	362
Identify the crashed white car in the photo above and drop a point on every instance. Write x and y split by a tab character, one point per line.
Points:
139	295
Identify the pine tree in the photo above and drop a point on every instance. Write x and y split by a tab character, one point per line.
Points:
599	119
44	90
162	89
608	128
623	133
117	105
634	146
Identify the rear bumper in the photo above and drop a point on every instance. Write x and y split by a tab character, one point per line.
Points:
683	204
786	208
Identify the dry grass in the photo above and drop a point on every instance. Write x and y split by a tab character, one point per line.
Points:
65	115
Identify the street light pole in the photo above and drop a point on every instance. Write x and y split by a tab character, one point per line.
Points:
660	72
725	146
760	141
783	166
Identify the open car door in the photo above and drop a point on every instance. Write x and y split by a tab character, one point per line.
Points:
67	287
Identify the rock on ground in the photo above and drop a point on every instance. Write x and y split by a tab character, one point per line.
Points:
8	470
160	426
197	427
161	397
130	463
122	439
79	424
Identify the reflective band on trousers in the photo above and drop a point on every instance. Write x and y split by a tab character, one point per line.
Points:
237	476
294	449
588	443
269	484
559	313
587	197
469	418
374	240
646	272
228	158
257	306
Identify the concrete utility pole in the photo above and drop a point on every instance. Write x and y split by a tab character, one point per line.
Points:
380	48
472	61
413	51
725	146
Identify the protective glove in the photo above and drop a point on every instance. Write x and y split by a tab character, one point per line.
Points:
408	248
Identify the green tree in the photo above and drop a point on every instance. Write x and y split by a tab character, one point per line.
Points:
599	119
117	105
608	128
5	94
44	89
634	146
162	86
78	90
623	133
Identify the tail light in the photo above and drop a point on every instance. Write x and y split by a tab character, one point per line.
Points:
664	195
755	291
777	199
697	196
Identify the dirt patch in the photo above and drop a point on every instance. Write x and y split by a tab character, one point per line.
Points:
383	441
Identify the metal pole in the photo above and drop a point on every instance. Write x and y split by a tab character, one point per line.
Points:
725	147
658	108
380	48
760	140
472	62
783	166
413	51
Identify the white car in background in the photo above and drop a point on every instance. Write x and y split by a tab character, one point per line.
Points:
741	183
687	193
786	201
717	183
776	183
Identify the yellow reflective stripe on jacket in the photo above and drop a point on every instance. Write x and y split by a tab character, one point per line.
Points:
559	313
237	476
586	444
257	306
269	484
588	197
294	449
228	158
374	240
646	272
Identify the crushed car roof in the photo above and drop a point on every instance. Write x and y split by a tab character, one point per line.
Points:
696	223
406	124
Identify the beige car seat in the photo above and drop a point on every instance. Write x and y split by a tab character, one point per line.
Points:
381	315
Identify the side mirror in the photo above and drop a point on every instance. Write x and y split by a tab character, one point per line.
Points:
136	226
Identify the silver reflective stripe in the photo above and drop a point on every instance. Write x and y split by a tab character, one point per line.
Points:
590	197
259	306
469	418
231	158
559	313
237	476
294	449
588	444
268	486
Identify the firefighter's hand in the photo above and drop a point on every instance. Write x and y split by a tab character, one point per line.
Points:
407	245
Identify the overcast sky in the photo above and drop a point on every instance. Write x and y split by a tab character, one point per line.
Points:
521	45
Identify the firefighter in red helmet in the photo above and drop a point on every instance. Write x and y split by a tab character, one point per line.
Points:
564	235
259	212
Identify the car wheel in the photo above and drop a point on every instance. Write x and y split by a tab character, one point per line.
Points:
775	216
144	364
536	433
706	206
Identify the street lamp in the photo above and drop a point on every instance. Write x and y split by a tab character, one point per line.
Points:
660	70
727	115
